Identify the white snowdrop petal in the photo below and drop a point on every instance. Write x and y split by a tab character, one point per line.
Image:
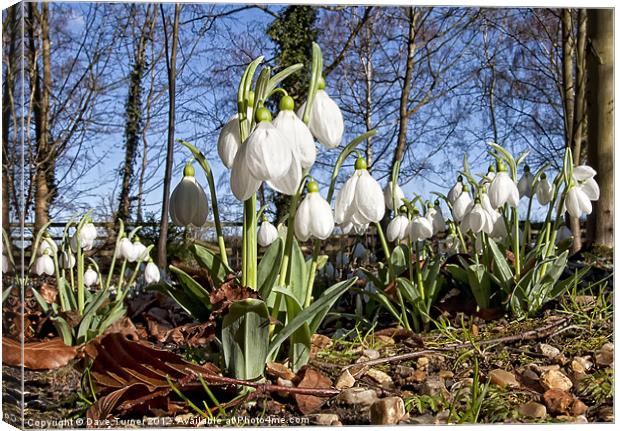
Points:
229	141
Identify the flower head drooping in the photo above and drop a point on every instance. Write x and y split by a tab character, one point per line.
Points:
326	123
229	141
389	199
582	190
456	190
460	205
503	189
90	277
296	133
478	219
435	216
267	233
360	200
525	184
314	218
44	264
544	190
188	201
151	273
420	228
398	227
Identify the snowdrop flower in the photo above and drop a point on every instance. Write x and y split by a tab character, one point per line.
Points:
188	201
90	277
544	190
296	133
435	216
398	195
229	141
461	204
456	190
477	220
267	233
67	260
397	228
151	273
503	189
420	228
139	251
47	243
361	199
314	218
525	183
44	265
326	123
264	156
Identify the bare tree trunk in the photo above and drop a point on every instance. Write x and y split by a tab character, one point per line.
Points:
600	64
578	120
133	123
568	100
11	29
171	59
403	120
45	162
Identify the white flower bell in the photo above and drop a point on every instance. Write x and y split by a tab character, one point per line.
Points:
151	273
397	228
478	220
389	199
456	190
361	199
420	228
314	218
503	189
326	122
461	204
229	141
44	265
435	216
66	260
526	182
267	233
296	133
90	277
544	190
188	201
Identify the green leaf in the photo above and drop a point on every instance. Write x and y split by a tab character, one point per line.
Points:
212	262
325	300
269	267
245	338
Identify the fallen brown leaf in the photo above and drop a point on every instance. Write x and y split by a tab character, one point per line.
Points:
40	355
311	378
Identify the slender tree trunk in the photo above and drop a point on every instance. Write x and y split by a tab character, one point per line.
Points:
45	162
133	122
578	121
568	99
171	59
600	66
11	29
403	120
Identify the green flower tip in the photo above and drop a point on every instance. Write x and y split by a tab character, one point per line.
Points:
287	103
188	170
262	114
360	163
321	85
313	187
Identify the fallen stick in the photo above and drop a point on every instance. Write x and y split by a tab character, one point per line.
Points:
528	335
